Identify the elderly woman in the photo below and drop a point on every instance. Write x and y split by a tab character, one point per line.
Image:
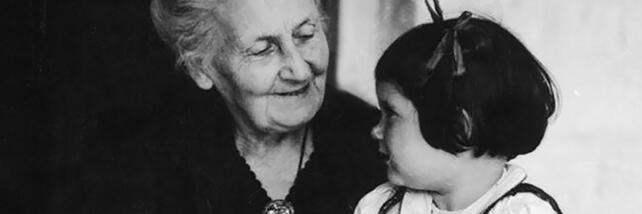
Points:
278	141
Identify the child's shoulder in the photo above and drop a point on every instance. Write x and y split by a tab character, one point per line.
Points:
525	199
371	202
522	203
413	201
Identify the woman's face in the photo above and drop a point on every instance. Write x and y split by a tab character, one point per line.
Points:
273	70
412	162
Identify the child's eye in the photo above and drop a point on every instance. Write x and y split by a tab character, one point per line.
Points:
391	115
388	113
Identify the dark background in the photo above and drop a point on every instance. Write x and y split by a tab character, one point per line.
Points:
80	76
79	79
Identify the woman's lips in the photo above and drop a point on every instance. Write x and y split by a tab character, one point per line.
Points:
295	92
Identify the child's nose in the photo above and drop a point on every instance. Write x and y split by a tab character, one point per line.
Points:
377	132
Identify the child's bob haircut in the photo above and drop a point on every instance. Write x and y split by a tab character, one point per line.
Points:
499	106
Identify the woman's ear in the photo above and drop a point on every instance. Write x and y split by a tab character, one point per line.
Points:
202	80
196	65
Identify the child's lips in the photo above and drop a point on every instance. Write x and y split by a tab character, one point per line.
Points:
383	151
385	157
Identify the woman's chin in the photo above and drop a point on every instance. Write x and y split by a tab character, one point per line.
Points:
289	122
292	118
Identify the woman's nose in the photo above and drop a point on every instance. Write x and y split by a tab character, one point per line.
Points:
295	68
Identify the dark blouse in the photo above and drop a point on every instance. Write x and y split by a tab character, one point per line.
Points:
192	166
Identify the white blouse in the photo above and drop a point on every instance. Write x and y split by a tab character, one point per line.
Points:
416	202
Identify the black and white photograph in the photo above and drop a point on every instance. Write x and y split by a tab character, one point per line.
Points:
320	106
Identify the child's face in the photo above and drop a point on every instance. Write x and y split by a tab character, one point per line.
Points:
412	162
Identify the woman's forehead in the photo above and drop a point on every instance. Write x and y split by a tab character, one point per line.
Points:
251	19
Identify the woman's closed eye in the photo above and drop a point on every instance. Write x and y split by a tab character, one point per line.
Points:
262	48
305	32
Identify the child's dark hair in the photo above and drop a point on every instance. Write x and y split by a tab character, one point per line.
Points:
485	91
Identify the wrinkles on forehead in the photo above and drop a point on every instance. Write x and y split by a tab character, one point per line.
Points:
251	20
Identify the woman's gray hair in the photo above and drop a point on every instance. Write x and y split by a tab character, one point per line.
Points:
192	28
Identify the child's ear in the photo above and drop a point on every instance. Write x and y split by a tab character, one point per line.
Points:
463	128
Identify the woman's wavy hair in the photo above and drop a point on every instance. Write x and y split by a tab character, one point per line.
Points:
193	29
474	85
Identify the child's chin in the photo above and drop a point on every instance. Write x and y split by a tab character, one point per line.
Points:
394	178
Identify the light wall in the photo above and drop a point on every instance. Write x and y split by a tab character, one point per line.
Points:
589	158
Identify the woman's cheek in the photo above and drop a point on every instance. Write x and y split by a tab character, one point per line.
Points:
257	79
317	54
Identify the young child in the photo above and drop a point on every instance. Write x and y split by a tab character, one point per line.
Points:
459	99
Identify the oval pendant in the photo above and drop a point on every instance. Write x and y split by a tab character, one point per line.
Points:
278	207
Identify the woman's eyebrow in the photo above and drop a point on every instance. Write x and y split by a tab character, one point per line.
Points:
268	38
304	22
275	39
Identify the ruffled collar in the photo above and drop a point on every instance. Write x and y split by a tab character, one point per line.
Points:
419	202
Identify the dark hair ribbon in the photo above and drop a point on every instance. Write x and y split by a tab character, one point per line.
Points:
436	14
451	36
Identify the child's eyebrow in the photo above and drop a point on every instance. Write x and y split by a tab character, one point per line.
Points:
385	106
